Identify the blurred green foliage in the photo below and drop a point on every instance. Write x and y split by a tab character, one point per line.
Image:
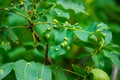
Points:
58	39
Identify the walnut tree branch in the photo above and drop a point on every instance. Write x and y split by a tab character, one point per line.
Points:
47	58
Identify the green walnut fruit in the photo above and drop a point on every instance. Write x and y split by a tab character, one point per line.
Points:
99	74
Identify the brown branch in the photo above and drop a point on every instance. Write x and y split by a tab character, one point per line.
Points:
35	36
47	58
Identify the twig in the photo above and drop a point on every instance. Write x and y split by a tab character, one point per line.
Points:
101	46
37	23
2	29
47	59
73	72
23	16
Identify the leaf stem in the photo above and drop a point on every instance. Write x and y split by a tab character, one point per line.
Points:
37	23
101	46
14	27
73	72
53	6
24	16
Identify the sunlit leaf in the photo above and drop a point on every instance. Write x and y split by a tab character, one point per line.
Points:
5	69
59	13
108	37
92	28
25	70
104	29
44	71
82	35
58	73
73	6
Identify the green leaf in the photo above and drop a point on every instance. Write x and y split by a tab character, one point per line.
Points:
49	18
108	66
83	44
56	51
113	57
24	35
5	70
92	27
58	73
17	52
45	72
12	35
108	37
115	47
104	29
25	70
102	62
83	55
5	4
17	20
82	35
81	71
40	29
59	13
39	68
30	43
38	53
69	35
98	61
60	36
77	8
45	31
